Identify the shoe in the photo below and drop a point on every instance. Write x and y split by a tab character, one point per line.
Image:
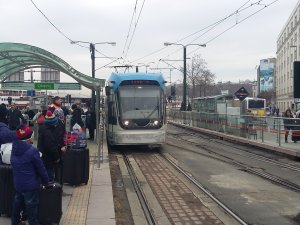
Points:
286	141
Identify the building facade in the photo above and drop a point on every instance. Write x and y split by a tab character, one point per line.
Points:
288	51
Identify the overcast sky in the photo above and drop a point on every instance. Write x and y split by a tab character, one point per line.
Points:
232	56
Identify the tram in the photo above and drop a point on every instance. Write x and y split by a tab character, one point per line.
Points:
136	109
214	104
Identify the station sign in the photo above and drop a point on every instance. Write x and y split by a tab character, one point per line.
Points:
39	86
241	94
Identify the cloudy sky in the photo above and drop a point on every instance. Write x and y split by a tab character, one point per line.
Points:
238	33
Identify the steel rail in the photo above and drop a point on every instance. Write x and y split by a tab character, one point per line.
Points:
146	209
200	186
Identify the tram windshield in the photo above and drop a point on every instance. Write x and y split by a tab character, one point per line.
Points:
140	102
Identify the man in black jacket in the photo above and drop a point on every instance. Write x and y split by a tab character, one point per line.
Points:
48	144
14	117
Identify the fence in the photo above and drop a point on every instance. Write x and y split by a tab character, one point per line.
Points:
264	129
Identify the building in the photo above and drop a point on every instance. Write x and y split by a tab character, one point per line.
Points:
288	50
50	75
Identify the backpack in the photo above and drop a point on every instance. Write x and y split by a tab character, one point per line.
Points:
40	119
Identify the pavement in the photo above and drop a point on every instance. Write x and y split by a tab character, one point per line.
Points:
90	204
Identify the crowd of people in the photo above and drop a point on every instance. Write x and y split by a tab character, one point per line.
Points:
33	166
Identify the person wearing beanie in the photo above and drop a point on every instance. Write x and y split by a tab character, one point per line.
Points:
28	174
48	143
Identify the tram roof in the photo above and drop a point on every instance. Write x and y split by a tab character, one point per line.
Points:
117	78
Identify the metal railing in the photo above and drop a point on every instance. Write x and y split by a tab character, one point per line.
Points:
263	129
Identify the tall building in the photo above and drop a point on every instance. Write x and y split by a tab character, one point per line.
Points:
288	51
17	77
50	75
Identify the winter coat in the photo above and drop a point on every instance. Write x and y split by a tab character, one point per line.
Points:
27	167
90	120
76	118
48	144
14	117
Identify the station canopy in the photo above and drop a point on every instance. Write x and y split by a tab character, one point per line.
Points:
16	57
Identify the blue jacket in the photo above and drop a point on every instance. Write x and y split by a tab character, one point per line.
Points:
27	166
6	135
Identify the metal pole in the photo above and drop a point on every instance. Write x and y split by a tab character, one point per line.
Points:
97	126
184	79
92	50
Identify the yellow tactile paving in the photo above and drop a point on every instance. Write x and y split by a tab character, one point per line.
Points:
77	209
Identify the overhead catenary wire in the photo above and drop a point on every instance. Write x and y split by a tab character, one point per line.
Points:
135	26
62	33
239	10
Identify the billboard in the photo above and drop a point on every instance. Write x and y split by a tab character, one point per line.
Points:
266	74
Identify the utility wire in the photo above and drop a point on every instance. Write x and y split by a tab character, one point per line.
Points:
240	9
134	11
237	23
62	33
136	23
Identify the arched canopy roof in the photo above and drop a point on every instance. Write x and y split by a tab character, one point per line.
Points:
15	57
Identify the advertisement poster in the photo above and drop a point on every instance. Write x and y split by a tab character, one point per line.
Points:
266	75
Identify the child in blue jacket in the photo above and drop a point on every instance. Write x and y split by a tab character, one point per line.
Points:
28	170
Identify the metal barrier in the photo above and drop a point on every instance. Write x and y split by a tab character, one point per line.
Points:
264	129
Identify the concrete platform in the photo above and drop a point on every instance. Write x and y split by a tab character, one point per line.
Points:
90	204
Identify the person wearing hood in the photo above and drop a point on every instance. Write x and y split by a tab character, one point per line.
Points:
48	144
28	169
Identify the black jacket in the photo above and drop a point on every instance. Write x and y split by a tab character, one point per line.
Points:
48	144
76	118
14	117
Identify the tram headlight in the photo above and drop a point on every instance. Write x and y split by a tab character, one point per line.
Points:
155	123
126	122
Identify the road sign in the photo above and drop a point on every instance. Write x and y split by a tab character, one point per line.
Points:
44	86
241	94
39	86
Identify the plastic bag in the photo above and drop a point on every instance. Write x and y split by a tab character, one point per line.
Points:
77	127
6	152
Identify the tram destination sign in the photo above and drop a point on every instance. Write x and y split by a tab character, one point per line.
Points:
241	94
39	86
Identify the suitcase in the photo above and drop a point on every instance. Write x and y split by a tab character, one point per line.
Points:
7	190
295	136
76	166
50	206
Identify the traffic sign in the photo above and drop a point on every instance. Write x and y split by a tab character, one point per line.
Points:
39	86
44	86
241	94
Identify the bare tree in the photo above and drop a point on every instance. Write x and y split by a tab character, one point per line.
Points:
199	76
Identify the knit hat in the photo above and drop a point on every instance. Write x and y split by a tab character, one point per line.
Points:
59	113
50	118
24	132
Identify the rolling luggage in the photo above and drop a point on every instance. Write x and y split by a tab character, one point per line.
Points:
295	136
7	190
76	166
50	206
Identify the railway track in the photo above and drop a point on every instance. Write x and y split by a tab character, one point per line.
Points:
176	200
215	154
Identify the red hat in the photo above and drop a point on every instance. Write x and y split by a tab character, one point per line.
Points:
24	132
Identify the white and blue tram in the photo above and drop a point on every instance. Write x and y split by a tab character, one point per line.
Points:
136	109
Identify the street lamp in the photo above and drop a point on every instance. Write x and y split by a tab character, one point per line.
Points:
183	105
92	51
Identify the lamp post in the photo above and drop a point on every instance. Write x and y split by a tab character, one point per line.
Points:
183	105
92	51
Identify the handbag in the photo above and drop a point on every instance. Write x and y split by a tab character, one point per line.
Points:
6	152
